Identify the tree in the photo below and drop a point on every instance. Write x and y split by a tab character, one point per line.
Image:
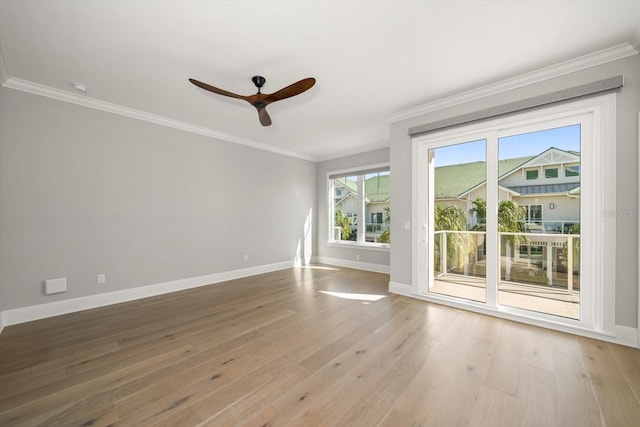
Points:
344	222
459	245
480	209
385	237
450	218
510	219
510	216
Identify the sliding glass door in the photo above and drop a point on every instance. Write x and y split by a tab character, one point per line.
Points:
457	220
539	221
505	211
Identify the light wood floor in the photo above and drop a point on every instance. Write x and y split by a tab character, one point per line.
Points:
272	350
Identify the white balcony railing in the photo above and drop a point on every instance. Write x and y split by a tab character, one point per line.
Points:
550	259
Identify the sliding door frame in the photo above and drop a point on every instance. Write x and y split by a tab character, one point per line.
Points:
598	183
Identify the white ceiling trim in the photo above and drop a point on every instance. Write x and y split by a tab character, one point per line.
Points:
85	101
583	62
353	151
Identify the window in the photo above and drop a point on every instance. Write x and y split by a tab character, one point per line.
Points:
339	192
365	194
532	218
517	264
551	172
532	174
573	170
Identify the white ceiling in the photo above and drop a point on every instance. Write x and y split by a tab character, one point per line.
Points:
371	59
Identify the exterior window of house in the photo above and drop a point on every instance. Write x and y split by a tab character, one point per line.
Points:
516	261
551	172
532	218
573	170
365	194
339	192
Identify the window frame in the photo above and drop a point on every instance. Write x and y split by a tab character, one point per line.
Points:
358	171
537	174
547	172
569	171
597	175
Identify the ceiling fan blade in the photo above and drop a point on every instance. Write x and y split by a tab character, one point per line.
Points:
291	90
265	120
214	89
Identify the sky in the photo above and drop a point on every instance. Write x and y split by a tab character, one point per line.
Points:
528	144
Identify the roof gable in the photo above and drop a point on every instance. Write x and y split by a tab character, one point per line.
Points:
553	156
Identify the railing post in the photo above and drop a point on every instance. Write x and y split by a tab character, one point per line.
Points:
507	267
570	263
549	263
443	252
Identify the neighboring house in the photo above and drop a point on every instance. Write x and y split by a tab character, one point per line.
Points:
547	185
377	198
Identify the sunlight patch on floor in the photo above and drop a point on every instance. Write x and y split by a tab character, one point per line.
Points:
352	296
318	267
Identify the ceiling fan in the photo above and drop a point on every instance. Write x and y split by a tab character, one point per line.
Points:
261	100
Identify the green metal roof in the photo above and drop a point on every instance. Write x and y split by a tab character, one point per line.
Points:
451	181
455	180
376	188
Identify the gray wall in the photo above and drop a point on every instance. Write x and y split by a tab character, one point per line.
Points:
628	105
84	192
1	132
342	163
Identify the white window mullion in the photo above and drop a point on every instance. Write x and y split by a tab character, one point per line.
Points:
492	237
332	213
362	221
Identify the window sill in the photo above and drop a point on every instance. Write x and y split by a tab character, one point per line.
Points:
382	247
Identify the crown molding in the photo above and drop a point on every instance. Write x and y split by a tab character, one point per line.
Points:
109	107
351	152
583	62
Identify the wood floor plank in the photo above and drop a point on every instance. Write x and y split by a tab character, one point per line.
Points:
577	403
445	388
618	405
504	371
629	364
262	395
384	392
494	408
537	398
56	396
298	347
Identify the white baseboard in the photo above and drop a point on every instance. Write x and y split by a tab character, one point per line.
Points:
56	308
624	335
400	289
358	265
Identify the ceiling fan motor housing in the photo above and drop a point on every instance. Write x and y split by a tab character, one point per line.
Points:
258	81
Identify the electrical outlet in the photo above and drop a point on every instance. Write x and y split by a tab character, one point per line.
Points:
357	257
246	258
102	278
